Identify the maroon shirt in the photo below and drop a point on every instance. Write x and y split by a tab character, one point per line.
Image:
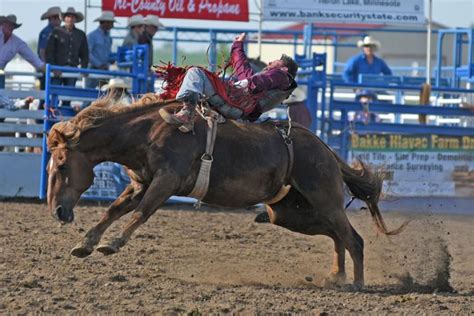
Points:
267	79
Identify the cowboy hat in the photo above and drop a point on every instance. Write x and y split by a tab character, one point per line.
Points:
151	19
107	16
115	83
72	11
51	12
298	95
135	20
11	18
369	41
366	93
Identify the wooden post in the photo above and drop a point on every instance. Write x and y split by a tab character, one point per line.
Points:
425	94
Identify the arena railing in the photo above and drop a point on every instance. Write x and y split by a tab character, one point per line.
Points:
337	128
54	113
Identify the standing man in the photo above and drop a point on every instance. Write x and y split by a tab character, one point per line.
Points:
136	26
100	45
53	15
152	26
11	44
366	62
67	46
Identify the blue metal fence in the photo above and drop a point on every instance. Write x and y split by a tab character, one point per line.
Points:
136	59
340	128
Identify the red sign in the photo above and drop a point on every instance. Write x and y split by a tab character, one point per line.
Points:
223	10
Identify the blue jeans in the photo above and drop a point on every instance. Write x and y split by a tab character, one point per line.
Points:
196	81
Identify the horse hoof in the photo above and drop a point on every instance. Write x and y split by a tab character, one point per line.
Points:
262	218
357	286
81	251
335	280
107	249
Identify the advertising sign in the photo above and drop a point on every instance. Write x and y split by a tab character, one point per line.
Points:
223	10
419	165
346	11
109	181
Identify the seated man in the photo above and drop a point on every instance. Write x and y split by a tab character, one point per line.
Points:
366	97
117	91
247	98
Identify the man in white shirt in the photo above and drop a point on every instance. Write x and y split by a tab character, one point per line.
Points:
11	44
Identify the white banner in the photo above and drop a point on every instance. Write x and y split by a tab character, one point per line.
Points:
346	11
419	165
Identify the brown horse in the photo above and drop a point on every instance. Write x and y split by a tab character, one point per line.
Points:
250	166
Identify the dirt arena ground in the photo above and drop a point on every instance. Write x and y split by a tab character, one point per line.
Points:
188	261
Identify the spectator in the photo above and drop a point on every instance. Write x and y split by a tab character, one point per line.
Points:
11	105
152	26
7	103
11	44
117	91
53	15
366	97
365	62
136	25
100	45
67	46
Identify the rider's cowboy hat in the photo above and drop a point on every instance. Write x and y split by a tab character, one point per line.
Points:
369	41
51	12
151	19
135	20
115	83
71	11
10	19
298	95
107	16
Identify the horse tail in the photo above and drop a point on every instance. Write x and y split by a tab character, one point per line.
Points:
366	185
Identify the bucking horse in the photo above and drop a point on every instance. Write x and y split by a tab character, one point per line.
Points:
250	166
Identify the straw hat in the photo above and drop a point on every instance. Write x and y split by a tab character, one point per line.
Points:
71	10
151	19
135	20
298	95
11	18
369	41
107	16
115	83
51	12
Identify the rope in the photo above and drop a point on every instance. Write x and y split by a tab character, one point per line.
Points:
202	182
289	120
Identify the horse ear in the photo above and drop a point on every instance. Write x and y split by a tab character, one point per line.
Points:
55	137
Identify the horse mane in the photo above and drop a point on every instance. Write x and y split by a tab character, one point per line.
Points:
67	133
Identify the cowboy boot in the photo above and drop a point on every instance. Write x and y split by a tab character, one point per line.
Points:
184	118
